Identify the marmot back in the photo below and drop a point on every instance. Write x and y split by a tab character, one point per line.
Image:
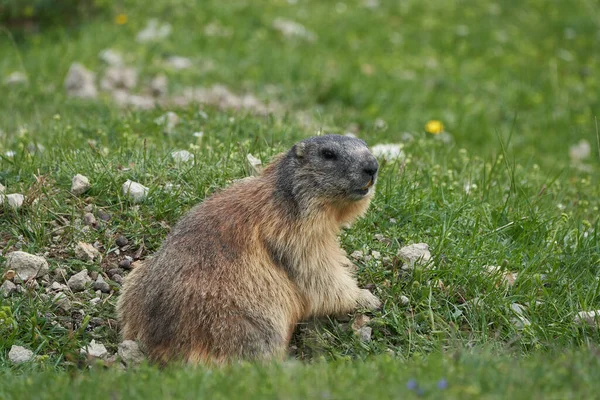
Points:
240	270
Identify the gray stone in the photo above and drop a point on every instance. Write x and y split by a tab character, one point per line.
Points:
7	288
79	82
404	300
592	318
16	78
519	321
79	184
159	86
19	354
78	281
62	301
365	333
27	265
89	219
121	241
179	63
101	285
130	353
86	252
95	350
119	77
168	120
153	31
111	57
135	191
414	254
58	287
182	156
14	200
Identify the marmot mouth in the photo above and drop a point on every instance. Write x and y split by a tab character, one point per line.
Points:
362	192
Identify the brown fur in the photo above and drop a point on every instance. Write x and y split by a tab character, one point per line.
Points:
239	272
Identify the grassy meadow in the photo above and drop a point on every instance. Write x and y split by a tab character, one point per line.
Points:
515	87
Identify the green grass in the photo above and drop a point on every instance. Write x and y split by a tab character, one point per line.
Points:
461	375
514	86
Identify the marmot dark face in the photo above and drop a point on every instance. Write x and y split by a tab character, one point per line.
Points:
333	167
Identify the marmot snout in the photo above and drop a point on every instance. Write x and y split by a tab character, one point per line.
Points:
240	270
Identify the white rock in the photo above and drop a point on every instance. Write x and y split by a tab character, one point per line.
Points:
57	286
153	31
101	285
89	219
119	78
124	99
293	29
95	301
86	252
130	353
7	288
181	156
404	300
179	63
111	57
27	266
135	191
520	321
159	85
198	134
62	301
14	200
365	333
255	164
79	82
94	349
414	254
78	281
168	120
389	151
79	184
592	318
376	255
508	278
15	78
580	151
19	354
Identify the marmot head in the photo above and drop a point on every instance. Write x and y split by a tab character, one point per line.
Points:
330	167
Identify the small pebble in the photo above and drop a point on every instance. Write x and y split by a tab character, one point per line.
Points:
80	184
94	349
101	285
89	219
78	281
117	279
125	263
113	271
19	354
103	215
8	288
135	191
121	241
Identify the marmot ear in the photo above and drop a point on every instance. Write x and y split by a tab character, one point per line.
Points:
299	149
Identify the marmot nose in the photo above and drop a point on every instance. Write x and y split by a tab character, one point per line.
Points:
371	167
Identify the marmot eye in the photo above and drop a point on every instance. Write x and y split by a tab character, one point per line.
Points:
328	154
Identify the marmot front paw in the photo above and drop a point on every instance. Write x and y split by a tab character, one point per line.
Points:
369	300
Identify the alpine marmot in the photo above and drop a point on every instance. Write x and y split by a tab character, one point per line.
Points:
241	269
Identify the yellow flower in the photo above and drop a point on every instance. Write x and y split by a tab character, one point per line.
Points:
434	127
121	19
